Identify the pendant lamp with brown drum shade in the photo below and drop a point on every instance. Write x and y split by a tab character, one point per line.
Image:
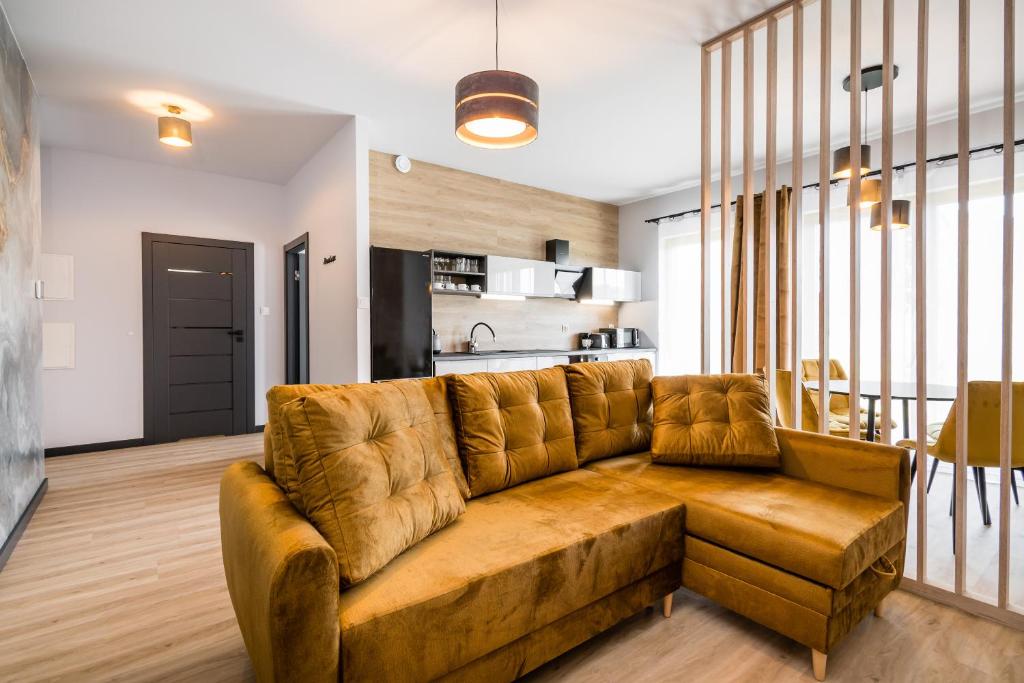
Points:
496	109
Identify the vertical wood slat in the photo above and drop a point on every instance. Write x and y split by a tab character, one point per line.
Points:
1006	393
748	199
963	223
768	204
705	211
796	219
921	326
855	165
726	202
824	207
886	241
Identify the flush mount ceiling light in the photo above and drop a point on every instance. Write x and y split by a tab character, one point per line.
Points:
174	130
496	109
900	215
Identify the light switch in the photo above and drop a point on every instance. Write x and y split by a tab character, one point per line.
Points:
363	302
264	310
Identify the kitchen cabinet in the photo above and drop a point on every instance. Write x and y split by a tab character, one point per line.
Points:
544	362
637	355
610	284
511	364
520	277
459	367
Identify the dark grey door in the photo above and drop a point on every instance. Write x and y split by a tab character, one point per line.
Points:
296	304
199	359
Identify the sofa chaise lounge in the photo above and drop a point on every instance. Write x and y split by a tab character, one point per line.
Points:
570	525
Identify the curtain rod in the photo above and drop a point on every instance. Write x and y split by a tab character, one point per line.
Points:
997	148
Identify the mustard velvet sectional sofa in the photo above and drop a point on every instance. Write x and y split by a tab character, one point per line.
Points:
538	512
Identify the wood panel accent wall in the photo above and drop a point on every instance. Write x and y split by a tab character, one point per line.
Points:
435	207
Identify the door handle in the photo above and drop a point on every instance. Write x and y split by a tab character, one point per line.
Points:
237	334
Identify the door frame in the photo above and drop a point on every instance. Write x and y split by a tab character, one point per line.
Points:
289	340
149	362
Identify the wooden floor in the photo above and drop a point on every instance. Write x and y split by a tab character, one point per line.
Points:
119	578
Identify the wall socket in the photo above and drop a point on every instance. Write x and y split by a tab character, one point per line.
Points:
565	328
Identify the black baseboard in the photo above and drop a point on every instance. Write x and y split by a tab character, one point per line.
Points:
92	447
19	528
107	446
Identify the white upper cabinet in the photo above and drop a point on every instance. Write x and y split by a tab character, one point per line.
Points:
611	284
520	276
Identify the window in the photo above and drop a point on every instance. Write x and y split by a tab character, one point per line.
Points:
679	302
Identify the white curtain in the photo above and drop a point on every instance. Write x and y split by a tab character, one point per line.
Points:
679	302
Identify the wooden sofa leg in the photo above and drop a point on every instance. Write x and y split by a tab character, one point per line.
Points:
819	660
880	609
666	605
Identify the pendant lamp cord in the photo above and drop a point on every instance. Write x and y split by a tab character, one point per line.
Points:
866	117
495	35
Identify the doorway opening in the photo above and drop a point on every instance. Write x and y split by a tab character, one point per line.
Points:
296	304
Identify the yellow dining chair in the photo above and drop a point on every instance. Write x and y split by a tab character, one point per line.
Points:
983	406
808	410
838	404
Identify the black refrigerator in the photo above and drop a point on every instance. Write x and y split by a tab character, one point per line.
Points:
400	317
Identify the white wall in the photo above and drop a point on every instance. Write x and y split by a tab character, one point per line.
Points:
329	198
95	208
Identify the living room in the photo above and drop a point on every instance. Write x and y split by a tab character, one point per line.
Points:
333	350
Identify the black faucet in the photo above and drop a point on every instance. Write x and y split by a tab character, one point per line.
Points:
472	336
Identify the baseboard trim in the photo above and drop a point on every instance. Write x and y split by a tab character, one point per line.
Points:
8	547
108	446
92	447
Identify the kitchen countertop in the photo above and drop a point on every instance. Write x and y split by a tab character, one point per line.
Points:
465	355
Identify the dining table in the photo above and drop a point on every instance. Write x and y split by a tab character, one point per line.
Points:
900	391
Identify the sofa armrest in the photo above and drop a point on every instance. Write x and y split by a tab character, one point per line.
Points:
282	577
873	468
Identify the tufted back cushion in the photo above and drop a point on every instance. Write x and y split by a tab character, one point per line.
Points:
718	420
611	407
512	426
283	469
436	389
371	472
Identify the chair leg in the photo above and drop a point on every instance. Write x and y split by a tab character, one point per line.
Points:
1013	487
931	475
913	468
879	609
819	661
666	606
952	508
979	480
952	496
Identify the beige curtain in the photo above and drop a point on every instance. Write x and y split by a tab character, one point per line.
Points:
740	278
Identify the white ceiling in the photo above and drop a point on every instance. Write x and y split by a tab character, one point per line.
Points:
619	79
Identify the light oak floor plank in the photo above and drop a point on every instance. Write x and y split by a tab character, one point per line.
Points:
119	578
